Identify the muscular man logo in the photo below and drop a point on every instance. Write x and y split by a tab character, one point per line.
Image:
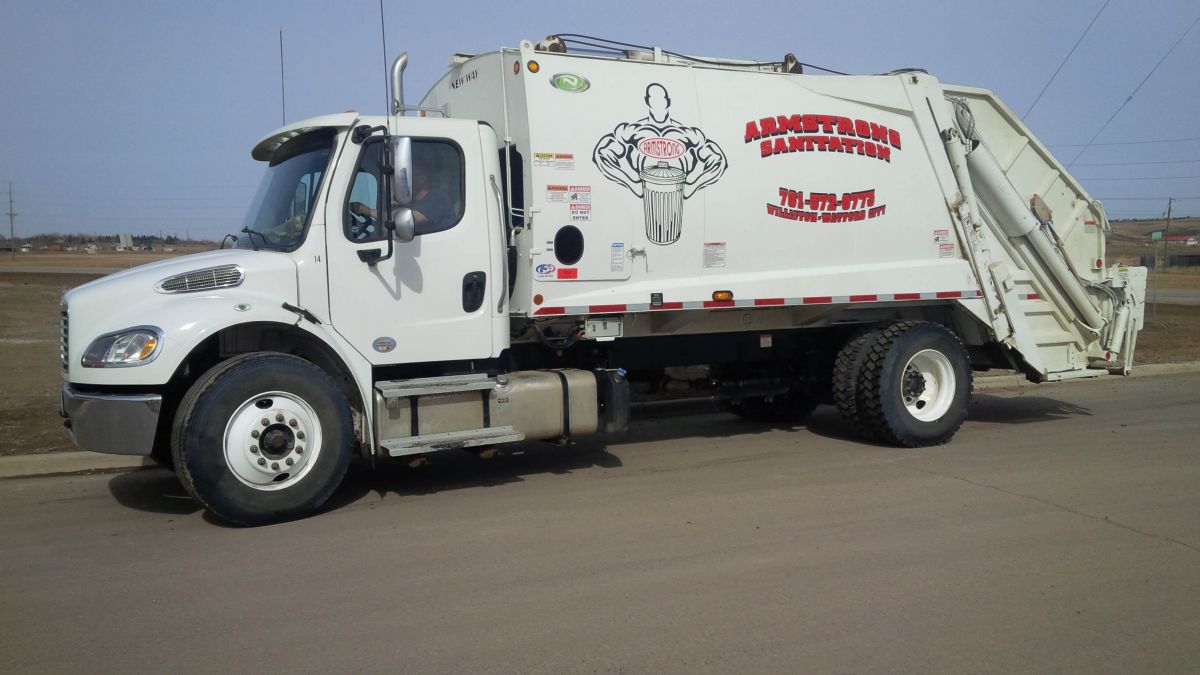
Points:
661	161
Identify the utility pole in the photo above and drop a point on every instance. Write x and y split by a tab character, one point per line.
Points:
1158	261
12	237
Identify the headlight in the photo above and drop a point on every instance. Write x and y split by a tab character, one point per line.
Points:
130	347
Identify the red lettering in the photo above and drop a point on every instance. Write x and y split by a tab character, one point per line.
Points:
795	143
894	139
862	128
845	126
765	148
878	133
810	124
835	144
885	153
780	146
752	132
789	124
768	126
870	148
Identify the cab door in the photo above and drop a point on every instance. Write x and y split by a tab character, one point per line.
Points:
430	300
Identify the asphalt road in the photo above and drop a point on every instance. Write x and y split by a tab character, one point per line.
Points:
1059	532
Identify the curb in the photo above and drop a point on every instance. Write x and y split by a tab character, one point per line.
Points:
68	463
1001	382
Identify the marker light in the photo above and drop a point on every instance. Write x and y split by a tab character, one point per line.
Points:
533	66
723	296
516	67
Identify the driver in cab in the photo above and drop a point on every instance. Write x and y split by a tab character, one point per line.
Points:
431	206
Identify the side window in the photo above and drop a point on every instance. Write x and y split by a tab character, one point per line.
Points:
363	205
437	185
438	179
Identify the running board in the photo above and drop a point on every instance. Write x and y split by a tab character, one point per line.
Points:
428	386
451	440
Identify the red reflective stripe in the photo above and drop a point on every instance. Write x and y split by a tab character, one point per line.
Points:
907	296
668	305
551	310
718	303
864	298
1033	296
818	300
949	294
768	301
600	309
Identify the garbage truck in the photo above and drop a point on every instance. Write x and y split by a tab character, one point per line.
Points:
556	232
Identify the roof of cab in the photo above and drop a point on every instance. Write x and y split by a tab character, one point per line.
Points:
266	147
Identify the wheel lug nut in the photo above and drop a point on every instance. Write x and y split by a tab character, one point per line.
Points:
299	450
254	449
265	421
262	462
292	423
278	417
274	466
300	435
254	434
290	461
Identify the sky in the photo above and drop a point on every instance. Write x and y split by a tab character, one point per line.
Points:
140	116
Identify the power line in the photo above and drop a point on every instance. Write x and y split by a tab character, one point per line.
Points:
1135	91
1123	142
1170	161
1147	199
1141	178
1157	140
1065	59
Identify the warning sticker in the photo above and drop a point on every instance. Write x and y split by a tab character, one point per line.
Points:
559	161
616	257
941	236
581	212
945	250
714	254
556	193
580	194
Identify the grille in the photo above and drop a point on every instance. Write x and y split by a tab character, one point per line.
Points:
64	332
225	276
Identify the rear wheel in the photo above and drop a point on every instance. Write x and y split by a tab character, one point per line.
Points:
915	384
847	371
262	438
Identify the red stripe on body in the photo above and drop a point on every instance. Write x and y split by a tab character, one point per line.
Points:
760	302
603	309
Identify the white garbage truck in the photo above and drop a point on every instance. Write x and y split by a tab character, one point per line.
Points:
555	233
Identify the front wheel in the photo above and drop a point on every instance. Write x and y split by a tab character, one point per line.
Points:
262	438
915	384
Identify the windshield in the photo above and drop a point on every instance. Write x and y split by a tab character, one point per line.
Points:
278	216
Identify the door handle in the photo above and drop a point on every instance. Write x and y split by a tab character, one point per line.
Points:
474	284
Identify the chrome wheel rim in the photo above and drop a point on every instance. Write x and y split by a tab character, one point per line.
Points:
927	385
272	441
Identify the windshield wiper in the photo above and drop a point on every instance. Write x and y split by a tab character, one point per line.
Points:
266	242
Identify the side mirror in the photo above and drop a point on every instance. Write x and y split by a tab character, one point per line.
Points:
404	228
402	190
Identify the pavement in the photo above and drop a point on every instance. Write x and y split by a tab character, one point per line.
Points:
1058	532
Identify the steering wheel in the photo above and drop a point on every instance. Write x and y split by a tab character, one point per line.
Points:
361	228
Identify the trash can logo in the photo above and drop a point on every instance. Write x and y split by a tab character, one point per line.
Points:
661	161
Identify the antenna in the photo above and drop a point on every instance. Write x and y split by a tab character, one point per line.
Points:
282	89
387	99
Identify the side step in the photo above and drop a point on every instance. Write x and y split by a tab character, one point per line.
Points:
416	445
426	386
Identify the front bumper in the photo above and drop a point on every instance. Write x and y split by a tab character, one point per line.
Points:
119	425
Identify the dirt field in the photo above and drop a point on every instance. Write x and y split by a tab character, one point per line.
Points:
29	324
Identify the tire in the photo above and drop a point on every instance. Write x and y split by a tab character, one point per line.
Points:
847	372
792	407
915	384
249	401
